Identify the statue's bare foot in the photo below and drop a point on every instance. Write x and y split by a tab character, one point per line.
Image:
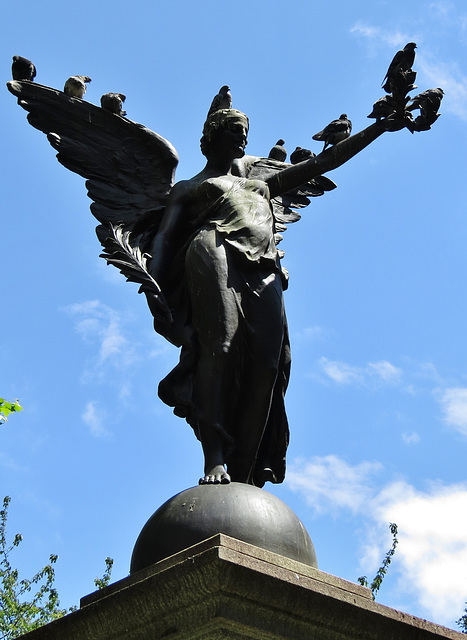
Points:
216	475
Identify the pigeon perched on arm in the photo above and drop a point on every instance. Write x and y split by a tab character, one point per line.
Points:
300	155
75	86
223	100
382	108
278	152
113	102
402	61
335	131
427	100
23	69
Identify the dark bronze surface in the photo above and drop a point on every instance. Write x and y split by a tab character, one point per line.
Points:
204	250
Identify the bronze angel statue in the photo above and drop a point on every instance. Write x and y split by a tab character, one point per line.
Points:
205	253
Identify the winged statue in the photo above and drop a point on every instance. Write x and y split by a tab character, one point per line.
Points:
204	252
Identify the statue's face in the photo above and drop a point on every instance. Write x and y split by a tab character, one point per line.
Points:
231	139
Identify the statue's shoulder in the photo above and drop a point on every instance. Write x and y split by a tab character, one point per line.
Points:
242	166
183	190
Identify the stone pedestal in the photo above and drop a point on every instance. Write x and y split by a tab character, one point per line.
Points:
224	589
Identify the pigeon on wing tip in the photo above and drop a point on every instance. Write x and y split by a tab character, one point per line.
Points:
335	131
75	86
300	155
223	100
278	152
23	69
113	102
402	61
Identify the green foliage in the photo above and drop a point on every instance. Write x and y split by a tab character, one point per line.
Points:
25	604
103	582
378	579
8	407
462	622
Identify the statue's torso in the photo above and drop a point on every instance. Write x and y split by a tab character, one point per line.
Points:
239	209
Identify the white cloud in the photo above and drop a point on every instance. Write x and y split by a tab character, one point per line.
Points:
379	35
432	550
374	372
94	418
99	324
433	545
309	333
341	372
454	404
448	76
385	370
411	438
330	482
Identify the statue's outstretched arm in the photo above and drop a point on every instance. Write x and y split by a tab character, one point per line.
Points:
298	174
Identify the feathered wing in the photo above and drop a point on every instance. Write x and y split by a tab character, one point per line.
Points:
284	206
129	171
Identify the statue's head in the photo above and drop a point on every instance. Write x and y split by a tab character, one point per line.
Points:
219	121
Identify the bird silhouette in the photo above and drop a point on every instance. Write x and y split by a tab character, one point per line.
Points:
23	69
300	155
113	102
278	152
335	131
429	100
75	86
223	100
402	61
382	108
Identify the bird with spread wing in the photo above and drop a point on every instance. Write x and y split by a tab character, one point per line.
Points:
204	252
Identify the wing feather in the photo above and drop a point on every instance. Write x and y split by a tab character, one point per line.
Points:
130	169
129	172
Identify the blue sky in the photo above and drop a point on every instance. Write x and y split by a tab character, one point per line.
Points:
377	403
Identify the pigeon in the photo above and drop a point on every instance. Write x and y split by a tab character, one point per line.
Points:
23	69
429	100
402	61
113	102
278	152
382	108
300	155
223	100
401	83
75	86
424	122
335	131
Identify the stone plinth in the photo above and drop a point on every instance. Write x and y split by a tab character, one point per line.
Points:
224	589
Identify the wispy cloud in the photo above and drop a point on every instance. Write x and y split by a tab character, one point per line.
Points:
448	76
102	327
380	372
310	333
411	438
432	73
380	35
454	405
94	417
341	372
330	483
96	322
433	545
